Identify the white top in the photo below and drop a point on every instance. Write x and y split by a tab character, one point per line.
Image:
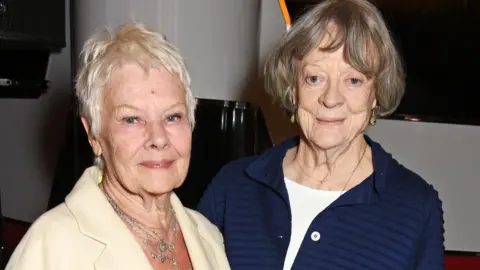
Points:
305	204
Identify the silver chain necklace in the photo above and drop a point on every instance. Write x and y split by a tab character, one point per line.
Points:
149	237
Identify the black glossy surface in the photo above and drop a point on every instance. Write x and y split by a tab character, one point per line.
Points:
34	21
23	69
225	130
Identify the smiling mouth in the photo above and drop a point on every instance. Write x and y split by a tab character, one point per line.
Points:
333	121
152	164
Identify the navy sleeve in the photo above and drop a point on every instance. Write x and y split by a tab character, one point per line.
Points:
431	250
212	204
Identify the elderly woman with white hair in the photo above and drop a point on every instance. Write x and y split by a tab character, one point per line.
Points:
138	112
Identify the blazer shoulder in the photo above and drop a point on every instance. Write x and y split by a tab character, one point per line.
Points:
52	223
50	229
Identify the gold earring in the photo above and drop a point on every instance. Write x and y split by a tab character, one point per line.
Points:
373	120
294	112
293	118
373	117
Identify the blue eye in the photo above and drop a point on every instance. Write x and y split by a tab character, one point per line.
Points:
174	117
313	79
354	81
131	120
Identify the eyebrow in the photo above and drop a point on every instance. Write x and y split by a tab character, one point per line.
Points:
131	107
307	66
125	106
178	104
314	64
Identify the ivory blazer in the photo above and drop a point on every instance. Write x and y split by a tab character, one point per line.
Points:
84	232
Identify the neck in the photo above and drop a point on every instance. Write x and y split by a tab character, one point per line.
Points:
332	167
153	212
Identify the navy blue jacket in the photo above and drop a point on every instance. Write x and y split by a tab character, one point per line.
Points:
393	220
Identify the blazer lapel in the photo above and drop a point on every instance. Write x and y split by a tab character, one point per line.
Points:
97	221
198	249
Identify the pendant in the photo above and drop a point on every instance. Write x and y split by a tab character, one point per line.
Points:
162	246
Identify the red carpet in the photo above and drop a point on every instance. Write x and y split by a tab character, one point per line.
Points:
14	230
462	261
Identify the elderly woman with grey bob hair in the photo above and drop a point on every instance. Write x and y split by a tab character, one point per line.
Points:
331	198
138	112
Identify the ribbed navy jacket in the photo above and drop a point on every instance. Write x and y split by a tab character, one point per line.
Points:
393	220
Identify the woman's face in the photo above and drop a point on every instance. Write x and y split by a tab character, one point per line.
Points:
145	136
334	100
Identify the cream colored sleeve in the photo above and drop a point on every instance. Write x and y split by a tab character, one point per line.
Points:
30	253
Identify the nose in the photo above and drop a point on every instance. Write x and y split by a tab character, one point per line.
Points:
157	136
332	97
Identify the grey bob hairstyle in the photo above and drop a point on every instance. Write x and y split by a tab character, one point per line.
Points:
368	47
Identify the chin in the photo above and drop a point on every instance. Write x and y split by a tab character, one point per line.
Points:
328	144
328	141
160	189
160	183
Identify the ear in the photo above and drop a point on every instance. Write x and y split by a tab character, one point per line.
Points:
374	103
97	149
293	96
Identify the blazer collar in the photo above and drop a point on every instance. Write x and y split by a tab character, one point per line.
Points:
98	221
200	255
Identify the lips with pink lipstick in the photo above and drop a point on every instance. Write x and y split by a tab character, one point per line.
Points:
157	164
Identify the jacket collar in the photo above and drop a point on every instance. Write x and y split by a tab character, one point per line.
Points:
97	221
194	240
267	169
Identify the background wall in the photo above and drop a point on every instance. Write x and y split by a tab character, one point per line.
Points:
31	134
272	28
218	38
447	156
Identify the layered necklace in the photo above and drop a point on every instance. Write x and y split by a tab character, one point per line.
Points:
162	251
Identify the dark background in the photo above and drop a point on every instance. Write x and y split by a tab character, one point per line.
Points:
439	43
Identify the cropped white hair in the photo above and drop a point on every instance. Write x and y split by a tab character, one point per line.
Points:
130	43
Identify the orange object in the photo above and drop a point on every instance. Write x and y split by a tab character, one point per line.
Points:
285	14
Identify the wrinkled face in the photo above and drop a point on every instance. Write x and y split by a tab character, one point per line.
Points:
145	136
334	100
